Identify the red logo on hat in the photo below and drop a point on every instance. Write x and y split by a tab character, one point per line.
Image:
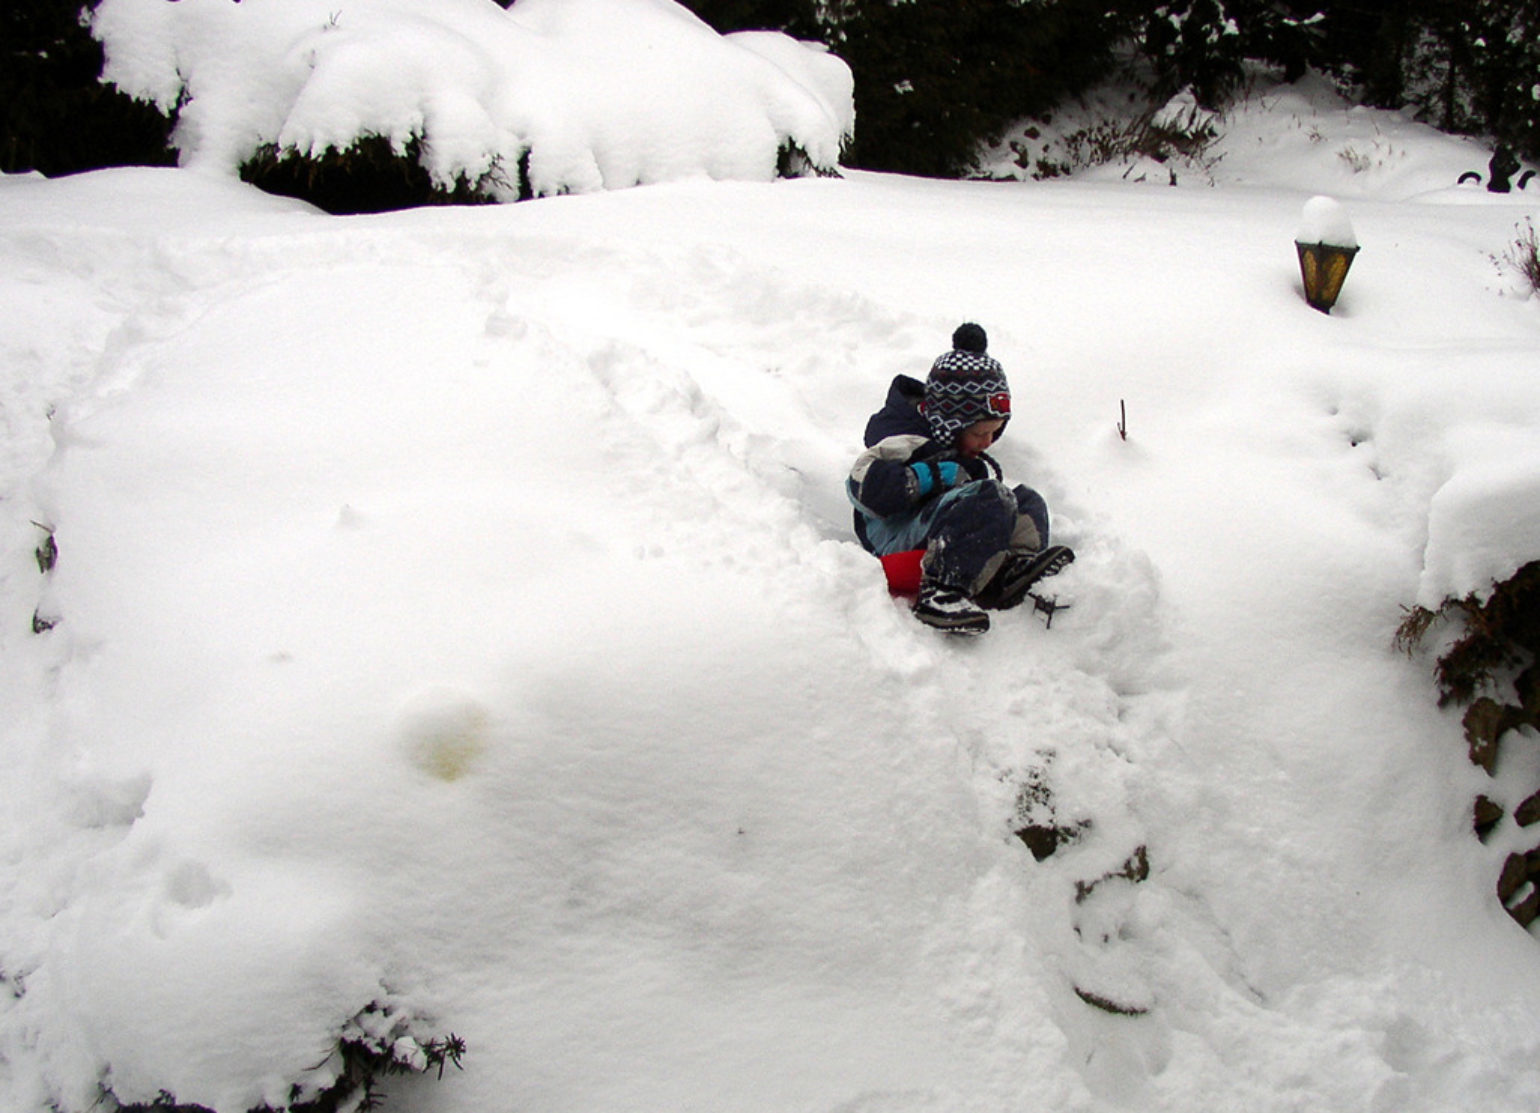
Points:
1000	403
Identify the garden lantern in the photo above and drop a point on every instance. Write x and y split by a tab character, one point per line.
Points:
1326	247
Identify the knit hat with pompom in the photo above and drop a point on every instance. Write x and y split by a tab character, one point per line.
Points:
965	385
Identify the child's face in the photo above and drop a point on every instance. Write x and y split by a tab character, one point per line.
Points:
979	436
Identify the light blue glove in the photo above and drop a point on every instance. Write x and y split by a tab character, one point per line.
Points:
934	475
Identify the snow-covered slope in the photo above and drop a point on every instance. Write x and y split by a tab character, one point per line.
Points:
1304	136
456	610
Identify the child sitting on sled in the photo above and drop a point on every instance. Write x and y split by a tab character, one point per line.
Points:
926	482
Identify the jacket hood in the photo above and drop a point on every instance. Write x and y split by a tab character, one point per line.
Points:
900	414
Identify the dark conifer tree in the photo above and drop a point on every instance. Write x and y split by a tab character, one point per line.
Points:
57	115
1503	40
797	18
1203	45
935	78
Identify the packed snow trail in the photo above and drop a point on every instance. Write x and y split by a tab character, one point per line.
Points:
651	459
458	609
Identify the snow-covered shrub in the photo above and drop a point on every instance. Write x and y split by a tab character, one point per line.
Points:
547	97
1179	129
1177	135
380	1040
1500	632
1523	255
1492	668
369	176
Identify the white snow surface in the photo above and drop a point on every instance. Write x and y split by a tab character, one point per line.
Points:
577	95
456	609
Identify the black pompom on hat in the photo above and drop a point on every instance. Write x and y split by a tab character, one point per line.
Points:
965	385
969	337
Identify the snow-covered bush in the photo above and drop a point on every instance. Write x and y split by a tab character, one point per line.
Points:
1179	135
379	1041
547	97
1500	632
1491	666
1523	255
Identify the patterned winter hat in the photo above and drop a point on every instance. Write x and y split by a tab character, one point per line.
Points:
965	385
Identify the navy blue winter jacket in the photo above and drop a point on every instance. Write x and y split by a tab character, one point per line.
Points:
885	480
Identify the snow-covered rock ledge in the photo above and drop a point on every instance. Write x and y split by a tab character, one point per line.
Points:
1489	664
548	97
1484	522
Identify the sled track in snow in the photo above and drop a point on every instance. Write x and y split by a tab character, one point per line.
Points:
1065	730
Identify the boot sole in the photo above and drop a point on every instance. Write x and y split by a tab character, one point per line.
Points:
1049	562
949	626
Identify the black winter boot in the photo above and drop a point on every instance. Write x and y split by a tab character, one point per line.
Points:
947	608
1010	585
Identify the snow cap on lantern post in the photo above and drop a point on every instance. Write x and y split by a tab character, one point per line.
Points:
1326	247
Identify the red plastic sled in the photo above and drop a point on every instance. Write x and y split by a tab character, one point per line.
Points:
903	571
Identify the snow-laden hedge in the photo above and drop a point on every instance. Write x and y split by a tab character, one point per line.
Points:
550	96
